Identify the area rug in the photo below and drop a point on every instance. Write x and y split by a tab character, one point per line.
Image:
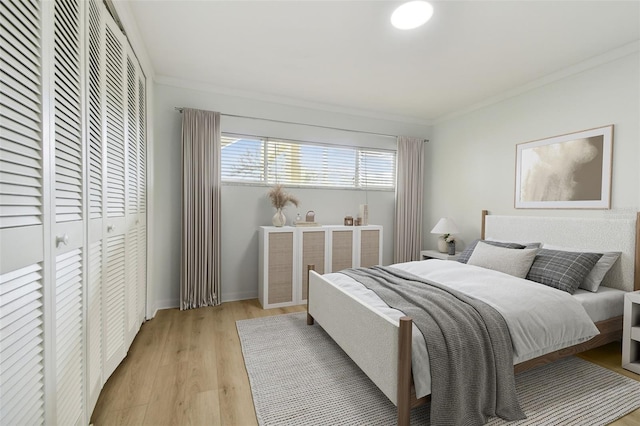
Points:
299	376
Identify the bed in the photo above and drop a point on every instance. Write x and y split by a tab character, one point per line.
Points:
383	343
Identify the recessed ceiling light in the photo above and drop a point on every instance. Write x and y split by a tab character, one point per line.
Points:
411	15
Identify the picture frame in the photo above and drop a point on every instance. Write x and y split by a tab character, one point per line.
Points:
571	171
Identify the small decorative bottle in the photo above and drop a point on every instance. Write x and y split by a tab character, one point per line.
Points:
451	245
298	218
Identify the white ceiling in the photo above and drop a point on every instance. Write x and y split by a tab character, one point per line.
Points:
346	54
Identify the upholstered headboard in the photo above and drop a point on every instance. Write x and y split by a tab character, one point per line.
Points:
601	234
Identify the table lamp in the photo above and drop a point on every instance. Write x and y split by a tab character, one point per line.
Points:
444	227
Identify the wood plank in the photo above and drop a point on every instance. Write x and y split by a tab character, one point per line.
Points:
132	416
144	360
176	348
234	392
167	405
206	382
203	355
204	409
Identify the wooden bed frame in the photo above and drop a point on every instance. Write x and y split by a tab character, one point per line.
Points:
388	358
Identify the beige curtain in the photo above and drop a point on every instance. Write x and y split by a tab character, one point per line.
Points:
409	194
200	267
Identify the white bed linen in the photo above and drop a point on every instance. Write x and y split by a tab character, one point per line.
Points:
604	304
540	319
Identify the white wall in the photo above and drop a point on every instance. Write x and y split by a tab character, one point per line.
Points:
245	208
472	158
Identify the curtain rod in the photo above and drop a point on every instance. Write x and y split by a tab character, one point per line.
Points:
304	124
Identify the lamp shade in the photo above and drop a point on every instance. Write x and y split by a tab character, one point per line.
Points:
445	226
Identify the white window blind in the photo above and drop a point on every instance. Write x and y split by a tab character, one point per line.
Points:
242	159
376	169
268	161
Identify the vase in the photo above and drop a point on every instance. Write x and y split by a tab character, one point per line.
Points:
442	245
364	214
279	219
452	248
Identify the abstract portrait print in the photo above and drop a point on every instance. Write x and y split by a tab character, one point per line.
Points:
569	171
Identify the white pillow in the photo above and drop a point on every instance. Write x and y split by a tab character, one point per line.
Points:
510	261
593	279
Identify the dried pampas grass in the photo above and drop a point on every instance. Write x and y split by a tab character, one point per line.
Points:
279	198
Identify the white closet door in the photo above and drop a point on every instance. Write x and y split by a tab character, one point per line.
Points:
142	200
68	201
94	324
95	91
115	120
68	185
21	216
21	184
133	122
69	339
96	194
114	134
131	287
113	305
22	347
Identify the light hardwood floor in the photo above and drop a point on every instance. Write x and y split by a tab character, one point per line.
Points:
186	368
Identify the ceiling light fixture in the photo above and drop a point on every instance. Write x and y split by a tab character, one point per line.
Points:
411	15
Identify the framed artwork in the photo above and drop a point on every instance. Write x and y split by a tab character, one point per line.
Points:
565	172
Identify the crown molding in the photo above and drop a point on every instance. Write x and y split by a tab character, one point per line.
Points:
209	88
596	61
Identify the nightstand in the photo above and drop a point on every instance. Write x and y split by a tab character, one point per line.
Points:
631	332
435	254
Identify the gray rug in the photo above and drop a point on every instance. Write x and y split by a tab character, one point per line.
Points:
299	376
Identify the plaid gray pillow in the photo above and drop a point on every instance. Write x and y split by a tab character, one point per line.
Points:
466	254
563	270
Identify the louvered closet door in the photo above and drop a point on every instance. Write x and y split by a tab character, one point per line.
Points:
68	189
114	137
132	187
142	199
22	219
96	200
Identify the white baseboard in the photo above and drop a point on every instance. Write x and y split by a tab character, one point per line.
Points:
226	297
166	304
239	295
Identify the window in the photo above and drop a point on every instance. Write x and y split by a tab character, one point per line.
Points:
264	160
242	160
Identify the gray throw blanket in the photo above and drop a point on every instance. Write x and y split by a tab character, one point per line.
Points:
468	341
